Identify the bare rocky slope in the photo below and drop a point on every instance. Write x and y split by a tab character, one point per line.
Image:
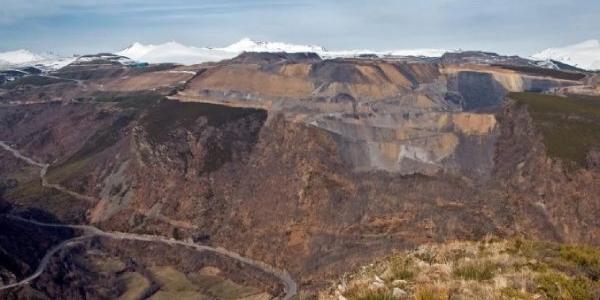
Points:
311	165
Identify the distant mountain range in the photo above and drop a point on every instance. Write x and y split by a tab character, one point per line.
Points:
175	52
584	55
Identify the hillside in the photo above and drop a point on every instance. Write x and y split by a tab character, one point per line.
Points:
489	269
296	162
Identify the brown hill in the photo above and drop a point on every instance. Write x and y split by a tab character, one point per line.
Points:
310	165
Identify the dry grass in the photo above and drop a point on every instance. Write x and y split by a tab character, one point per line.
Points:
177	285
136	286
429	292
489	269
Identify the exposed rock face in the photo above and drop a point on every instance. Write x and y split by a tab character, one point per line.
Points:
310	79
553	203
385	115
311	165
409	144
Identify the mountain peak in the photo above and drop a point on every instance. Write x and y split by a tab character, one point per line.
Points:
584	55
20	56
249	45
175	52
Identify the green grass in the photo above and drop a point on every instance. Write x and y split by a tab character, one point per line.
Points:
569	126
587	259
402	268
557	286
177	285
33	195
136	286
545	72
488	269
66	170
476	270
569	271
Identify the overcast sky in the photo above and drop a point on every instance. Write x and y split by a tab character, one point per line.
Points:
505	26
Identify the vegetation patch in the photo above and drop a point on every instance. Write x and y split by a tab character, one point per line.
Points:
35	80
569	125
558	286
510	293
369	294
33	195
224	131
177	285
537	71
430	292
168	115
98	142
488	269
476	270
134	100
402	268
136	286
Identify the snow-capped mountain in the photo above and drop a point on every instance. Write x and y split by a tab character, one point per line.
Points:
23	58
585	55
177	53
173	52
248	45
17	57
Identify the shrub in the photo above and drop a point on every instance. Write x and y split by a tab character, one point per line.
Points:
401	268
428	292
512	294
586	258
427	256
475	270
364	293
557	286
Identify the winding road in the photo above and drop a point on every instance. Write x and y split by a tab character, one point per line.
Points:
85	198
290	286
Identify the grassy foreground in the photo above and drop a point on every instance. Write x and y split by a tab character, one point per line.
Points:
490	269
570	126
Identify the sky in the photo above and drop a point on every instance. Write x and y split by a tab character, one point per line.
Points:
520	27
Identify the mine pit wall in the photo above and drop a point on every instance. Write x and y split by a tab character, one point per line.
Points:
477	90
460	144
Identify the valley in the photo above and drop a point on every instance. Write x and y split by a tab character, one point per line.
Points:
174	180
88	232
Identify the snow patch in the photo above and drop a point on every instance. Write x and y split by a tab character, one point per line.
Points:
21	56
173	52
24	58
585	55
249	45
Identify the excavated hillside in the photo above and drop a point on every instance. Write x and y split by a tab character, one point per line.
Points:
313	166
